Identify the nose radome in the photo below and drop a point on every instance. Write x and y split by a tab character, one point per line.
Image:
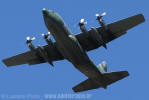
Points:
47	12
43	9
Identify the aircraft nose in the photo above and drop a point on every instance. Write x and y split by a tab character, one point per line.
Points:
44	11
47	13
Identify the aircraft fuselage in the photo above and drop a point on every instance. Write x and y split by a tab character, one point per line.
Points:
70	48
67	43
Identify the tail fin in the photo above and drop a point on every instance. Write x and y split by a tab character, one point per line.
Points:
109	78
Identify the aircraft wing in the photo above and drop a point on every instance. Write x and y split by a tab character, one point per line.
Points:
115	30
37	56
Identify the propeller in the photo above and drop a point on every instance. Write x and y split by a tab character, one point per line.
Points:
33	38
42	34
46	34
82	21
49	33
30	39
44	9
101	22
103	14
97	15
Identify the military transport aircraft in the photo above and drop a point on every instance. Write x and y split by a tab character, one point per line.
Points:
73	47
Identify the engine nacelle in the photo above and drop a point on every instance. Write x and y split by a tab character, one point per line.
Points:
101	21
47	39
82	28
30	45
98	37
44	55
102	67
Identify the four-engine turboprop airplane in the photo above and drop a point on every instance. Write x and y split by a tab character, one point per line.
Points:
74	47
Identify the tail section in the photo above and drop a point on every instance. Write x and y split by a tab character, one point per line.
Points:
109	78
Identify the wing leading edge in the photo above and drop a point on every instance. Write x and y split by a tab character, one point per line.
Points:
89	40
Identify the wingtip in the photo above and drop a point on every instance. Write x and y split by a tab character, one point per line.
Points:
4	61
126	73
75	90
141	16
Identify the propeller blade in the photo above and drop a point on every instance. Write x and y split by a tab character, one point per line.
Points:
103	14
49	33
28	38
43	34
82	20
44	9
33	38
104	62
85	22
97	15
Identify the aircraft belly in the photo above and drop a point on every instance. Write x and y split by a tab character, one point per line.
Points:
80	60
73	52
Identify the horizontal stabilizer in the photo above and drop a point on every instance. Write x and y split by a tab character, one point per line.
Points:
114	76
109	78
86	85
